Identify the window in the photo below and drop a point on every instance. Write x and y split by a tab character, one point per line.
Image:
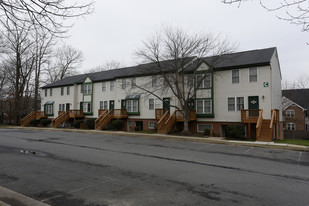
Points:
132	105
45	92
61	107
62	91
151	124
253	74
112	85
133	82
235	76
203	106
103	104
151	104
203	80
87	89
81	88
291	126
290	113
235	106
86	107
68	90
123	84
240	103
231	104
190	80
154	81
103	86
49	109
51	92
202	127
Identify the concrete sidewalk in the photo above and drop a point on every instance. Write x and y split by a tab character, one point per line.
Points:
11	198
216	140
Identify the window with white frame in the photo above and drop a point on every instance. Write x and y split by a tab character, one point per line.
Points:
123	83
62	91
235	103
203	106
49	109
68	90
45	92
202	127
151	104
253	74
103	86
86	107
51	92
151	124
61	107
132	105
111	85
88	89
290	113
103	104
235	76
190	80
203	80
154	81
133	82
291	126
81	88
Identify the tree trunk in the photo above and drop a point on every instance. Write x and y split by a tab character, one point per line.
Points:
185	122
16	94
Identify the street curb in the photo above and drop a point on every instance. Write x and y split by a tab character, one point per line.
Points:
214	140
8	196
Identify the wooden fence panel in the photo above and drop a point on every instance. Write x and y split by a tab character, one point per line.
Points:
296	134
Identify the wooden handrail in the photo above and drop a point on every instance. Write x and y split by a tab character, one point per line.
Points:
163	117
259	123
272	119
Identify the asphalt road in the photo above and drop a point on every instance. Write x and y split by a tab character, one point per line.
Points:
66	168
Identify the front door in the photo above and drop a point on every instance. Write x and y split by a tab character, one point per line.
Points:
166	104
123	104
253	103
111	104
67	107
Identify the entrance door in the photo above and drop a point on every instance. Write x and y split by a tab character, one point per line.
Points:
123	104
111	105
253	103
166	104
67	107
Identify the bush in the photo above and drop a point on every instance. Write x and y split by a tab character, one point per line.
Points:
235	131
206	132
34	122
90	123
117	124
77	124
45	122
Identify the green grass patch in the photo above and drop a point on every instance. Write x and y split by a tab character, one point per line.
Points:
146	132
294	141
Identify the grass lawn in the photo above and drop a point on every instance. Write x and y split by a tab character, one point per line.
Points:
294	141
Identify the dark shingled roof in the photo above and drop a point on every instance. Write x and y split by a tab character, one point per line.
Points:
229	61
299	96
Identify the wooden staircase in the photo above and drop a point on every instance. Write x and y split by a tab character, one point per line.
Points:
106	117
65	116
265	127
33	115
167	122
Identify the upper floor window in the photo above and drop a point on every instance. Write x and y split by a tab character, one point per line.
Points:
235	76
62	91
203	106
87	89
51	92
253	74
133	82
123	84
203	80
111	85
290	113
81	88
45	92
290	126
151	104
68	90
154	81
103	86
190	80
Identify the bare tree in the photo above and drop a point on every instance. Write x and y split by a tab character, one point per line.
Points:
302	82
171	51
65	63
109	65
295	11
49	15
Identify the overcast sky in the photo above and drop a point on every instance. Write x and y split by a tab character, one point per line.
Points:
118	27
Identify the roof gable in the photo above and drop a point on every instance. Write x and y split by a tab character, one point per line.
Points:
299	96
